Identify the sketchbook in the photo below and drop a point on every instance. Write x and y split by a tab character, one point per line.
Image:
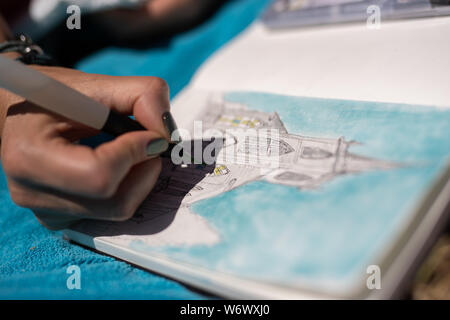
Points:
304	196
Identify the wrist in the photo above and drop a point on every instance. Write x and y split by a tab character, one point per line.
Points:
24	50
11	55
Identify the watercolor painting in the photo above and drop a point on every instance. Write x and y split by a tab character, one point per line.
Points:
349	177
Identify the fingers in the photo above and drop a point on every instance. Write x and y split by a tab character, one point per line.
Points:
150	107
136	187
55	220
147	98
57	211
80	170
120	155
57	177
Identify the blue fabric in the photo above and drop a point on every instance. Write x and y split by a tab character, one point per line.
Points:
33	260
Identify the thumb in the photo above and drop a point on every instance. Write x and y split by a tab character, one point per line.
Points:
117	157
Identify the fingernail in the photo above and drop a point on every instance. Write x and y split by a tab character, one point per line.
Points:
171	126
156	147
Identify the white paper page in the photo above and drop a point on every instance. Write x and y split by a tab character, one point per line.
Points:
404	62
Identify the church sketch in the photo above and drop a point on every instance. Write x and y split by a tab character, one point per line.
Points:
165	218
304	162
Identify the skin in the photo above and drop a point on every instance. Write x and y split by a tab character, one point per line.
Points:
62	181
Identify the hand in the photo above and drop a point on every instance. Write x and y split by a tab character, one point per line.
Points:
62	181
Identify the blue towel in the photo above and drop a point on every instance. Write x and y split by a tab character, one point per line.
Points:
33	260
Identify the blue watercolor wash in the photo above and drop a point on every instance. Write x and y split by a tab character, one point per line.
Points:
280	233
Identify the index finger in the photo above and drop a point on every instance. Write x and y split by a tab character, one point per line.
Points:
147	98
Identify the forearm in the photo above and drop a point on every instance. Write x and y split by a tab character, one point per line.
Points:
5	35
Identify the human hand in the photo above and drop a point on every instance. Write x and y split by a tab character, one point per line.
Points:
62	181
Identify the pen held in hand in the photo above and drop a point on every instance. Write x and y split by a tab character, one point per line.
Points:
55	96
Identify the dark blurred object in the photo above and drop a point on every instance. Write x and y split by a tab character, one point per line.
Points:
433	278
135	28
30	53
302	13
13	9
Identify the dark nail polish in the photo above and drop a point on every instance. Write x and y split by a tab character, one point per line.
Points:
171	126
